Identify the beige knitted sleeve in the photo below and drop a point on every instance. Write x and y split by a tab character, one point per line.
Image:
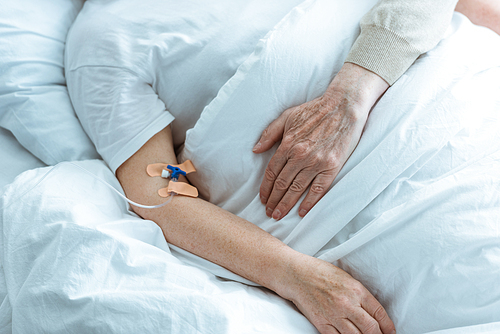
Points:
395	32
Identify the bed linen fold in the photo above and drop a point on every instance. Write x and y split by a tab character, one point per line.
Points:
76	261
414	213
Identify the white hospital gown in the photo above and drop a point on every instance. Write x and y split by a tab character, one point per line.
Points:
133	66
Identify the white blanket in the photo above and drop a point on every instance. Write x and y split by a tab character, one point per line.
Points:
76	261
414	214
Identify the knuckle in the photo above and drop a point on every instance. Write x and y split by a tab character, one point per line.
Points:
280	184
265	134
379	313
297	187
326	328
343	302
269	175
358	289
333	161
372	327
320	161
317	189
287	141
301	151
320	156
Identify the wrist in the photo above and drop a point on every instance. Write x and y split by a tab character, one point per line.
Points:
357	85
291	275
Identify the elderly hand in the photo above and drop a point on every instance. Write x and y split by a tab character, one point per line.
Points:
332	300
317	138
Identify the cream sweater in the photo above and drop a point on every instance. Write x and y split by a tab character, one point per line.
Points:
395	32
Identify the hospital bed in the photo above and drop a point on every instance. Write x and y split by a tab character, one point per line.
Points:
414	214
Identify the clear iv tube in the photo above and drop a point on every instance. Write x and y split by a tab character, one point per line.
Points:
123	196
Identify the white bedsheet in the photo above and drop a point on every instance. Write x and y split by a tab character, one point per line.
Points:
414	214
14	159
76	261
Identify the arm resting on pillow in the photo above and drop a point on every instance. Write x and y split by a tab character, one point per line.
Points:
324	293
482	12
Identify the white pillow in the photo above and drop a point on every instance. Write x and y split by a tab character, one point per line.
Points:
414	212
34	102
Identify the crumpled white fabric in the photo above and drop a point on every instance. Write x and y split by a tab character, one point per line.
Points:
414	214
76	261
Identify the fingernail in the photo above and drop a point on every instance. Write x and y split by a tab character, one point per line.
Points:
302	212
256	147
263	200
276	214
269	212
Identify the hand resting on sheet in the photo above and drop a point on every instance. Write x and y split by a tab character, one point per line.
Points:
317	138
330	298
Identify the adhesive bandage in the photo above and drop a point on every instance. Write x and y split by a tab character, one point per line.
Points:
173	172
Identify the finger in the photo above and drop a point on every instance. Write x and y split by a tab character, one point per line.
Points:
365	322
346	326
281	185
272	171
292	194
377	312
271	135
327	329
318	189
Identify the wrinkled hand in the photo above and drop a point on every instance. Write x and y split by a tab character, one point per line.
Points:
333	301
317	138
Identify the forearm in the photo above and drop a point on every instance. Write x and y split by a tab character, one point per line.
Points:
323	292
482	12
201	227
360	86
225	239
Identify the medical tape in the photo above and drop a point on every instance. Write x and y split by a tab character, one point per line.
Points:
173	172
179	188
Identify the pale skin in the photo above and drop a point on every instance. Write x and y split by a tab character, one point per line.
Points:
330	298
482	12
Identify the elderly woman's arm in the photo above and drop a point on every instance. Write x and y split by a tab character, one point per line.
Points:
318	137
331	299
482	12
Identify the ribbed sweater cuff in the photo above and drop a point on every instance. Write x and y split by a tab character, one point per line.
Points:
382	52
